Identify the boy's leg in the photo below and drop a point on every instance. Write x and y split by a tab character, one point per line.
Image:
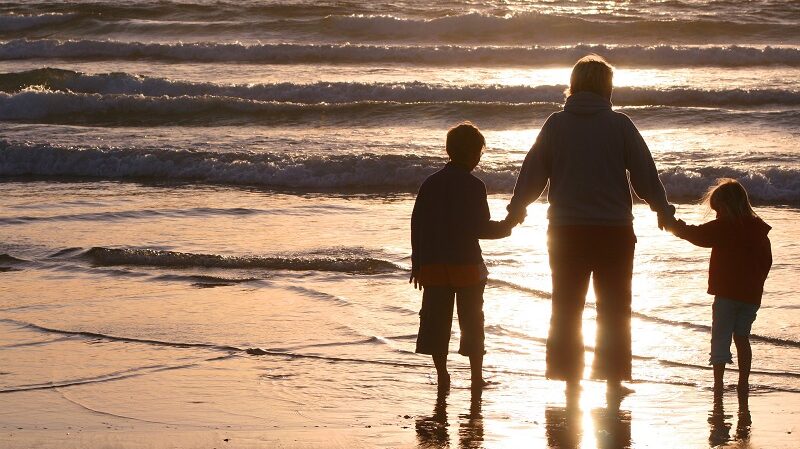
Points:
723	321
442	376
476	370
469	301
435	324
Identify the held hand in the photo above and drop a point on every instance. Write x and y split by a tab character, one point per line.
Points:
508	225
414	279
666	220
516	217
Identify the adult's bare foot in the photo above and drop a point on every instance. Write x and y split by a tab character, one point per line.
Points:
616	389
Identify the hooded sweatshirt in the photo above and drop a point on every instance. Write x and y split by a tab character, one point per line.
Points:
741	255
586	152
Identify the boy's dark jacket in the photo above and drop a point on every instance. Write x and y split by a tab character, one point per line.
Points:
740	255
450	214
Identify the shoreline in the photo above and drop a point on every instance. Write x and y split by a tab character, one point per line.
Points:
507	415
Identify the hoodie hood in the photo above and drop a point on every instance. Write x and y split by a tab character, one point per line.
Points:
752	226
586	103
760	226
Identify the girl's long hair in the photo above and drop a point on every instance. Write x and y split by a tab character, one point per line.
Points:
729	200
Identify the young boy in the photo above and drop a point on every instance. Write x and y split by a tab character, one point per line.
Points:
450	215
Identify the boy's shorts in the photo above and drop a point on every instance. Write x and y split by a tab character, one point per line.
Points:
729	317
436	320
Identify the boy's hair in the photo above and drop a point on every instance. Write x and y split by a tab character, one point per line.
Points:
463	142
592	73
729	199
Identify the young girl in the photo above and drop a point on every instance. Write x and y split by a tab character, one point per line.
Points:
740	260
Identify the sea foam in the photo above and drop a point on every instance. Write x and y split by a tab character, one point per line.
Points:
352	172
287	53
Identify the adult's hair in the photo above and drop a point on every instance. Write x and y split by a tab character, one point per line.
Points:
464	142
728	198
592	73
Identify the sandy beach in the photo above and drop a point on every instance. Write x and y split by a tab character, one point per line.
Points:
231	411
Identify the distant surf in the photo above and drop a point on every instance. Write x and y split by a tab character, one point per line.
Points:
352	172
42	92
437	55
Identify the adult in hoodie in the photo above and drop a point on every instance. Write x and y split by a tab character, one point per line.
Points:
588	153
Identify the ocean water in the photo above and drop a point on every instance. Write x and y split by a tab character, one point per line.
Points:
193	187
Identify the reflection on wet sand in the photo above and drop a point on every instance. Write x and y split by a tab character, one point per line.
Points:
720	424
432	431
470	431
564	425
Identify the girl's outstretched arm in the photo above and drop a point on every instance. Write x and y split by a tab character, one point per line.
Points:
705	235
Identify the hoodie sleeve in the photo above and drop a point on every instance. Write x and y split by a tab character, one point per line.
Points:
706	235
643	172
535	172
479	216
416	218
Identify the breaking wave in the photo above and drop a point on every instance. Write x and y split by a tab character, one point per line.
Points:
156	258
286	53
350	172
19	22
537	27
56	88
7	259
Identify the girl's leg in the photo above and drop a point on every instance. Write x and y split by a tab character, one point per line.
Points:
741	337
719	373
722	325
744	356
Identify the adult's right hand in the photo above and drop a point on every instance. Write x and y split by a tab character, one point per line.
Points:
414	279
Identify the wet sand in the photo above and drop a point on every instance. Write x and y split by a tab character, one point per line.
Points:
215	407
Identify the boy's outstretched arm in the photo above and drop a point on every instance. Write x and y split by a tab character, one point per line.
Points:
485	227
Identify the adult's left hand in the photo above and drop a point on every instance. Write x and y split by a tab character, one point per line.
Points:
667	218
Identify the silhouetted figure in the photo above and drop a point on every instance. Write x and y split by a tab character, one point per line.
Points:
451	213
432	430
740	261
586	153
